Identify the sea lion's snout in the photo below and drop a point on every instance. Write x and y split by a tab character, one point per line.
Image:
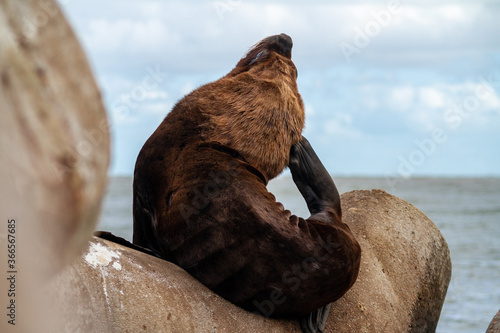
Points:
281	44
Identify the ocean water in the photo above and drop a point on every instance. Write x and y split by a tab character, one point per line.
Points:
467	211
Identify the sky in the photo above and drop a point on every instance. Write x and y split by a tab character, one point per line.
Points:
400	88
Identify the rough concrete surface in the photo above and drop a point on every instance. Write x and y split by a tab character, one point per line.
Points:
401	287
405	267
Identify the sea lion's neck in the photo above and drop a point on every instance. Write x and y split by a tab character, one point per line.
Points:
263	118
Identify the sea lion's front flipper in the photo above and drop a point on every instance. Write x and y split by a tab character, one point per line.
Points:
321	195
313	180
315	322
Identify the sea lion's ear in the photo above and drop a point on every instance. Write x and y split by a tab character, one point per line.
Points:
261	55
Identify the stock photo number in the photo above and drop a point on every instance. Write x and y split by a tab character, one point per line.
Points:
11	271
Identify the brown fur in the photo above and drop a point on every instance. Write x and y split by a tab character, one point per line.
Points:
255	110
200	197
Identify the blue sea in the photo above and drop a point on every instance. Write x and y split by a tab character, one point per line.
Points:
466	210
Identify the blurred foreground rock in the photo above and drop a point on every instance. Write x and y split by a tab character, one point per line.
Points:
54	140
54	152
401	287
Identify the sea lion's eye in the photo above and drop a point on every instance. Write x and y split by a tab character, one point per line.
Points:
262	54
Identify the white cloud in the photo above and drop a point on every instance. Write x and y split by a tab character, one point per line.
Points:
309	110
431	97
187	87
493	102
435	101
457	13
157	108
402	97
176	33
427	58
129	36
340	126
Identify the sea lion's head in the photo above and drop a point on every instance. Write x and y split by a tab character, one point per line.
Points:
265	113
265	52
257	107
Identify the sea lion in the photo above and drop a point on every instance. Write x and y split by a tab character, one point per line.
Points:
200	197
